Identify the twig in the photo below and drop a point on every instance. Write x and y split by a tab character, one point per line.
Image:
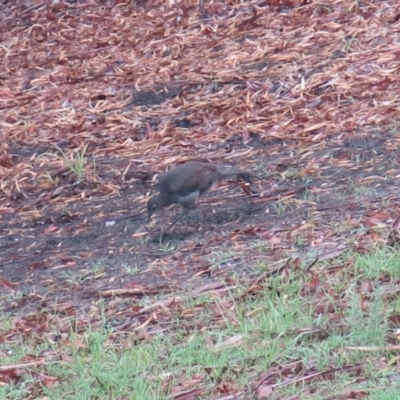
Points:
5	368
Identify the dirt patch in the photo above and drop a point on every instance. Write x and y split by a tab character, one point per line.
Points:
53	251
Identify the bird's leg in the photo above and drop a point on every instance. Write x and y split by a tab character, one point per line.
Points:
186	208
186	221
184	212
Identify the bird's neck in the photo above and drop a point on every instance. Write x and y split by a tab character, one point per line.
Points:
165	200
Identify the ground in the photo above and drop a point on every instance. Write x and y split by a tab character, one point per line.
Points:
97	100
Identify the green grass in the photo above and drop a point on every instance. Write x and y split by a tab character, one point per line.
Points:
211	342
75	163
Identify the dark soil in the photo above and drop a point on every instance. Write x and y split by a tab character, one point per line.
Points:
74	252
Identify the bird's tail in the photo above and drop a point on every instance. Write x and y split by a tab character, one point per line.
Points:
227	172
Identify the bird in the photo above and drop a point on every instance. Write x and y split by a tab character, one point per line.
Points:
185	183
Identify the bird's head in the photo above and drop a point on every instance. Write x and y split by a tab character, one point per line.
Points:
155	203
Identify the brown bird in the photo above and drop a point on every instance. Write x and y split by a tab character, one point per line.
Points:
185	183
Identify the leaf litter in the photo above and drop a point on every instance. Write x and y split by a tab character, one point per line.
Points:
304	93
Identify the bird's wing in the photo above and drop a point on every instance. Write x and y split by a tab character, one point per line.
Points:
188	178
